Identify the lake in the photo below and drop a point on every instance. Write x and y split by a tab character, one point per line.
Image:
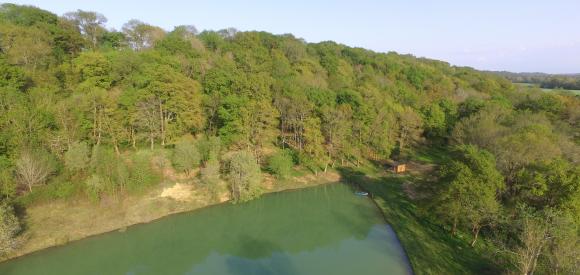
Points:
320	230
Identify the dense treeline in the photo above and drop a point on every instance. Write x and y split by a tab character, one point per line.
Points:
546	81
88	111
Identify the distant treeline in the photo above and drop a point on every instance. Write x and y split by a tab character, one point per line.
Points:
546	81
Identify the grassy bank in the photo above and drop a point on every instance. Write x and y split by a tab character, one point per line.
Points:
59	222
430	248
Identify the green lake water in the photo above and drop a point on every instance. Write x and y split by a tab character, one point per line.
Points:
320	230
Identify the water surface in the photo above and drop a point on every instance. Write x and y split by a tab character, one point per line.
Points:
319	230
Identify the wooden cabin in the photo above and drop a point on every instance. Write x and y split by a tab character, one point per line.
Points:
399	168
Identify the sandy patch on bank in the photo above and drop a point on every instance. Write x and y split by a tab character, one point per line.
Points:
179	192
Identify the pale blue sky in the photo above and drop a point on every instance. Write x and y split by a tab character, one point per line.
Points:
514	35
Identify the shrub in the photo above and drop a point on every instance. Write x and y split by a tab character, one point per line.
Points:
209	147
280	164
77	157
9	228
95	187
7	184
185	156
210	176
244	176
141	174
110	168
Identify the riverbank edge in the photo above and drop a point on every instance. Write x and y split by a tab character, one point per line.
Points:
291	185
383	214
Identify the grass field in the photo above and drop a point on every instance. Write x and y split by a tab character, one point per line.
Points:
430	248
576	92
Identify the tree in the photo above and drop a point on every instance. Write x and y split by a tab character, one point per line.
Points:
147	119
244	176
549	184
521	148
141	35
29	47
434	120
77	157
34	167
186	156
562	254
469	191
313	144
535	232
9	228
91	25
409	123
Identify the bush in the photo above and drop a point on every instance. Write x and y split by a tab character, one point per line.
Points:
185	156
280	164
141	173
110	169
95	187
7	184
210	176
9	228
209	147
77	157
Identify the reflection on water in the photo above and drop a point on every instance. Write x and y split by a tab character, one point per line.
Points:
321	230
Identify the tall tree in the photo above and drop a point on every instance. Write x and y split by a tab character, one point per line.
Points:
469	191
91	25
141	35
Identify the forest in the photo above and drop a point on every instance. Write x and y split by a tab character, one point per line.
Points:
92	112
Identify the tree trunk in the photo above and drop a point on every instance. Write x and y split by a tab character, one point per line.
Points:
116	146
162	120
133	142
95	121
475	234
454	228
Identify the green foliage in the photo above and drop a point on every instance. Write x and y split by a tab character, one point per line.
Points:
11	76
244	176
77	158
210	176
186	156
69	79
109	172
469	188
7	183
142	174
209	148
554	184
280	164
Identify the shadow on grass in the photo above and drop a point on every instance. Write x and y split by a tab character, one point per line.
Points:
430	248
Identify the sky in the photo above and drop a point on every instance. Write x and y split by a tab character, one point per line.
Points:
511	35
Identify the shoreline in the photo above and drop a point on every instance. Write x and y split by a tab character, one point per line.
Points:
182	207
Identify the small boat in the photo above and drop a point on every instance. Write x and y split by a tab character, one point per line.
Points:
361	193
